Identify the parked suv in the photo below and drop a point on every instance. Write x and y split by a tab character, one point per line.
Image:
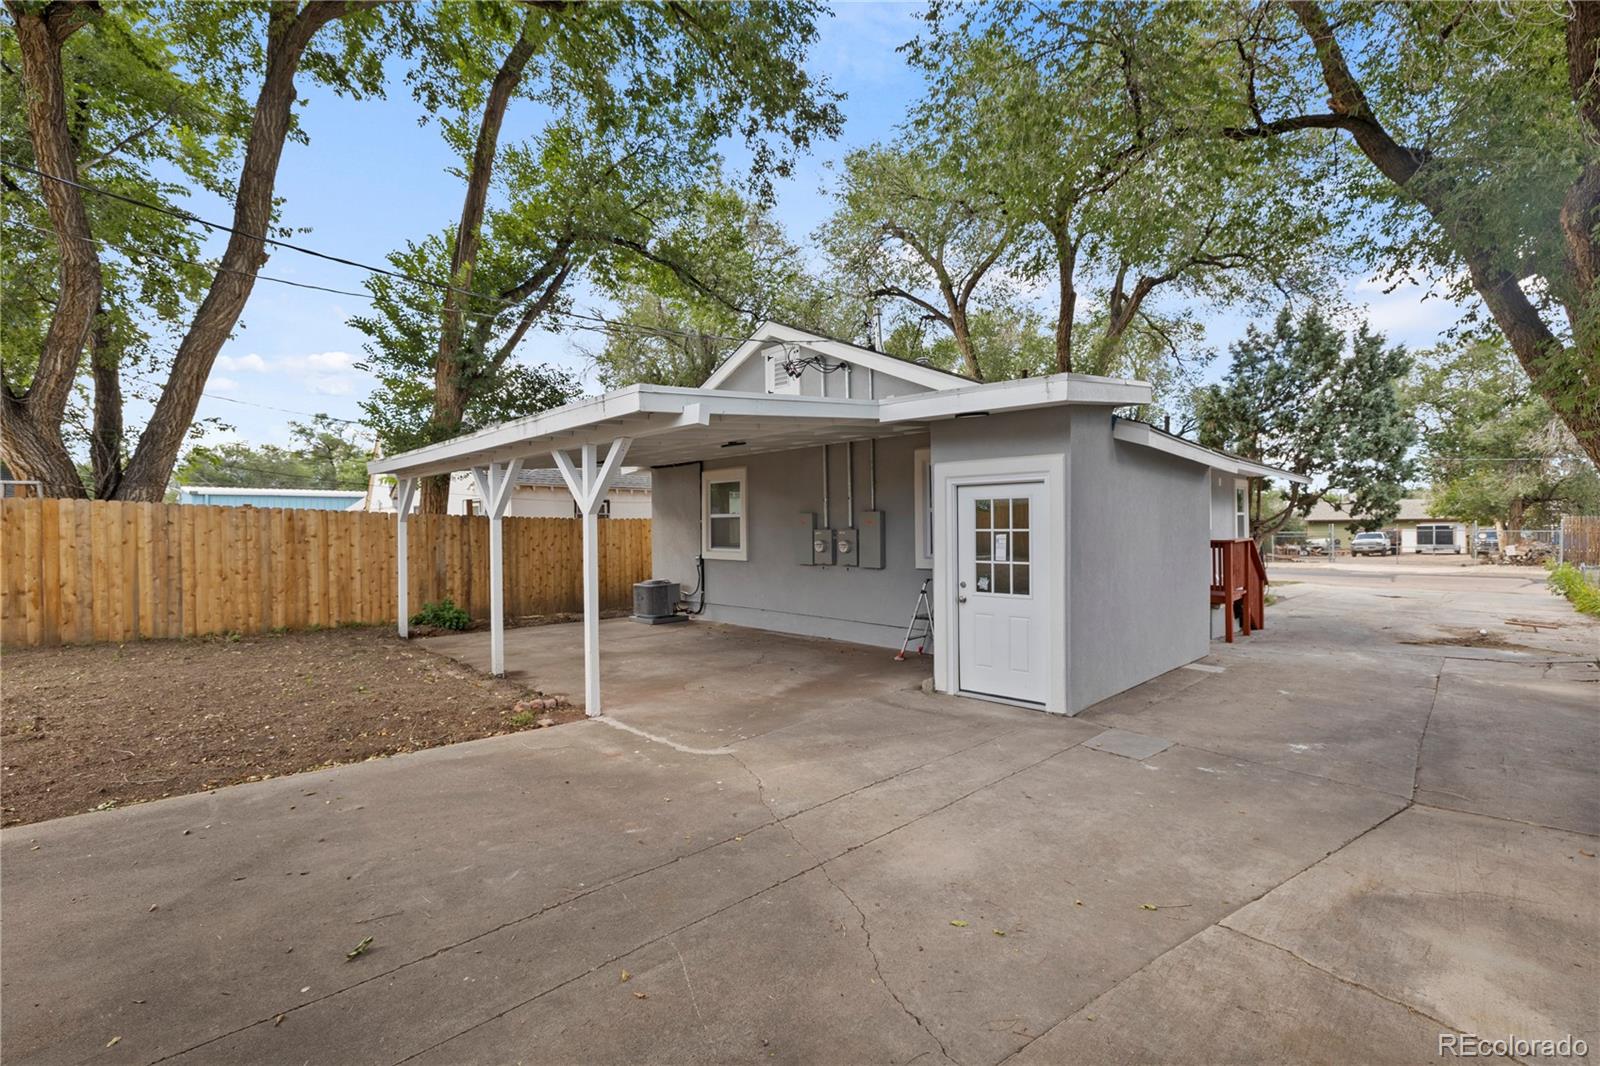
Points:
1487	542
1376	542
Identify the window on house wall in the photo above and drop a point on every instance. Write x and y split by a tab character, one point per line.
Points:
1241	513
604	512
722	506
923	503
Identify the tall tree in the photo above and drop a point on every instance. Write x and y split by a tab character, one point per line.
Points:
632	104
1480	125
1089	127
1494	450
669	330
323	454
130	111
222	43
1293	398
911	229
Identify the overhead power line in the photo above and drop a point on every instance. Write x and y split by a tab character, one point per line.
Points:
330	257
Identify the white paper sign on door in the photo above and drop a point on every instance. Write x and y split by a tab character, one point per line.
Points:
1002	547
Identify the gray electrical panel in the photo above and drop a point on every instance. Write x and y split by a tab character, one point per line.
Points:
805	526
822	547
845	540
869	550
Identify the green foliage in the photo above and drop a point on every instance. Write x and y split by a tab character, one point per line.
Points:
1295	399
1097	130
1567	580
144	130
442	615
322	457
631	106
1496	452
1478	142
675	329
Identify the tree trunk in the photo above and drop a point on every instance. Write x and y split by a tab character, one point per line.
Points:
435	496
1067	306
30	423
105	437
963	336
1568	380
288	34
1580	210
450	375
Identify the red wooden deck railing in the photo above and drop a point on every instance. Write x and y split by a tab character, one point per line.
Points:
1238	576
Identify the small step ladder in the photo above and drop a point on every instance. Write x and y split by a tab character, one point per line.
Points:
922	612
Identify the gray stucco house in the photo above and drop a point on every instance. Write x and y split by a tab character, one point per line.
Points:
810	486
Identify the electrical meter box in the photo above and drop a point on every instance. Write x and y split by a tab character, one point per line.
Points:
822	547
869	547
805	526
845	541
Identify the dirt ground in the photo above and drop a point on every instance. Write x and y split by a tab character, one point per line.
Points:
91	727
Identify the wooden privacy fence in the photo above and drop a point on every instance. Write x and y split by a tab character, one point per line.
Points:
1580	539
80	570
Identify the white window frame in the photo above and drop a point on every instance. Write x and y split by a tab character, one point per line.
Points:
707	479
922	495
1241	510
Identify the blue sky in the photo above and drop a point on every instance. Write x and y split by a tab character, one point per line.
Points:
371	178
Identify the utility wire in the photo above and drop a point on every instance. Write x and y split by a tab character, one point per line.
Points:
385	271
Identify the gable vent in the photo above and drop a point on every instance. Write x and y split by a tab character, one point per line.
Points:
779	382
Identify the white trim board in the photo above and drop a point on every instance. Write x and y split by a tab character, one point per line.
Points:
774	333
1148	436
1049	469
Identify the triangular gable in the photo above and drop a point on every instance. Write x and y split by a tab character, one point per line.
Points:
772	333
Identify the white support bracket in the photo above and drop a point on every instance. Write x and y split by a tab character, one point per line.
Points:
405	493
588	484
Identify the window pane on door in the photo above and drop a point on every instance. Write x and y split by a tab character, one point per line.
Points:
1019	580
1019	543
985	514
984	547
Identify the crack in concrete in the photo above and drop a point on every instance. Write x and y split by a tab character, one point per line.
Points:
1214	925
615	882
1349	982
861	915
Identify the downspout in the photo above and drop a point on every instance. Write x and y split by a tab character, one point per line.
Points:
849	461
872	450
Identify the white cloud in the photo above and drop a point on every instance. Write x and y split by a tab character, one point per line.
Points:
233	364
315	362
330	384
221	384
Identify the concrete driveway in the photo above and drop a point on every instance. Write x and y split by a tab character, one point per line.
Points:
1329	842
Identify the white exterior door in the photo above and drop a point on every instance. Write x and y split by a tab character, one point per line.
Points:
1003	586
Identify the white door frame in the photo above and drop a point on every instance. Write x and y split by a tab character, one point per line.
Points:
1049	469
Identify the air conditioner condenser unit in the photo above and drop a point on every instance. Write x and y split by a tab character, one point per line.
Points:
655	602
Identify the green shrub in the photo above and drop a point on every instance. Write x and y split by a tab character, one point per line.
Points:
442	615
1567	580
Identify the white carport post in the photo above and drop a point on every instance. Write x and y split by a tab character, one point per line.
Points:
405	492
495	483
588	487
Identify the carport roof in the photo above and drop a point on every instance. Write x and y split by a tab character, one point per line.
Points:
669	425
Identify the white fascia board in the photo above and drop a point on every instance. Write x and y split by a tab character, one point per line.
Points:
1018	395
637	411
1149	437
772	333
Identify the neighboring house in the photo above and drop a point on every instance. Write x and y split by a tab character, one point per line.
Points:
812	487
1421	529
539	494
299	499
